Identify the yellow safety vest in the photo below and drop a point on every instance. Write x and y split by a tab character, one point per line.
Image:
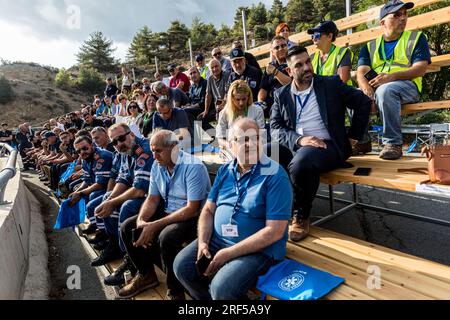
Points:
329	68
401	58
203	72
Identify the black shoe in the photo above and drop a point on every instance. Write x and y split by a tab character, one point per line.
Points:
89	230
362	148
101	245
111	253
117	277
101	236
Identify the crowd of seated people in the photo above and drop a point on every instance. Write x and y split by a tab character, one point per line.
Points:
146	194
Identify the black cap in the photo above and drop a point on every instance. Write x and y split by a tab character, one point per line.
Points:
109	79
49	134
393	6
171	66
326	26
199	58
236	54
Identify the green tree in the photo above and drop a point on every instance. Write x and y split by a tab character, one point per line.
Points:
177	37
141	51
329	10
90	80
237	26
257	15
6	91
300	14
224	34
64	80
277	12
202	35
97	52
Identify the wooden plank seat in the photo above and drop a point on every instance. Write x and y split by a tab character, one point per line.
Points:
423	106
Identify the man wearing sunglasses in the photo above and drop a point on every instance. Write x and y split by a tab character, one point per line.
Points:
275	76
400	59
96	166
225	63
129	192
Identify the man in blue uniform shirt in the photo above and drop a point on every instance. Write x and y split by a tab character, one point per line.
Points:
132	183
243	226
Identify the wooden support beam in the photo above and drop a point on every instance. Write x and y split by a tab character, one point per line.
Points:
418	107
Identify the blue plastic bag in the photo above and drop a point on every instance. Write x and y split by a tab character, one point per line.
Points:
290	280
66	175
70	216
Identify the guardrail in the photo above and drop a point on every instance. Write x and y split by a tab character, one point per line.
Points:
9	170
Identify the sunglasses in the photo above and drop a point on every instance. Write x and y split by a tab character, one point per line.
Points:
217	54
133	106
121	138
316	36
78	151
281	46
171	70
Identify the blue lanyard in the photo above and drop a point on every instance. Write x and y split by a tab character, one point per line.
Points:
244	187
302	104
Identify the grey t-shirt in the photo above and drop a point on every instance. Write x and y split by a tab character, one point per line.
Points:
217	88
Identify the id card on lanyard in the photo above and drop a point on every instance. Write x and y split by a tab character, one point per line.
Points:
302	106
231	230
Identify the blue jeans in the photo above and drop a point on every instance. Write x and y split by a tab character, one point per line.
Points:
389	98
95	199
231	282
128	209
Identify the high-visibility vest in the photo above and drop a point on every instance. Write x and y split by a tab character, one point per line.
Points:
401	58
329	68
203	72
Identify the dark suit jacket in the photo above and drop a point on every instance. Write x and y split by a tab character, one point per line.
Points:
333	97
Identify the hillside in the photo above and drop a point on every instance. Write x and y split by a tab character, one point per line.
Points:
37	99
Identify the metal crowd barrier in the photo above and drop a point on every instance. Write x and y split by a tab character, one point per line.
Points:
9	170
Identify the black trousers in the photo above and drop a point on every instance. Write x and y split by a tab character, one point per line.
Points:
163	251
304	169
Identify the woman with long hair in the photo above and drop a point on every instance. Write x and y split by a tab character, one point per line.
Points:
145	122
239	104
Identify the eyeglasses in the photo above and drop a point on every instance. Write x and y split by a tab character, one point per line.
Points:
316	36
246	139
78	151
217	54
120	138
281	46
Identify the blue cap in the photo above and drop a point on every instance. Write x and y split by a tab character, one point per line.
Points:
393	6
49	134
326	26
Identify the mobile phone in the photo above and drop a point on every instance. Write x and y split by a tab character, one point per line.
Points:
135	234
202	264
370	75
219	101
362	172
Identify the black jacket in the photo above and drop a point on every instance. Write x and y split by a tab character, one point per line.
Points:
333	97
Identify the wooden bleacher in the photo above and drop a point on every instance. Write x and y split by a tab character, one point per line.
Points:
429	19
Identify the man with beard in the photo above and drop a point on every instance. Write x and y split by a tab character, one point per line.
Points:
308	119
129	192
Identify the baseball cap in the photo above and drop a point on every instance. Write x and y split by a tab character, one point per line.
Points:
236	54
199	57
4	124
171	67
326	26
49	134
393	6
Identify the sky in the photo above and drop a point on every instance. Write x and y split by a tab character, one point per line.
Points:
50	32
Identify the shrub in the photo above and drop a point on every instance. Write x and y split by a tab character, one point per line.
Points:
90	80
64	80
6	91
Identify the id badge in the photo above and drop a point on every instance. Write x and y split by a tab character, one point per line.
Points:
300	131
230	230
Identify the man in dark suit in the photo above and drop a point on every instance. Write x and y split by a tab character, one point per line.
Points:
308	118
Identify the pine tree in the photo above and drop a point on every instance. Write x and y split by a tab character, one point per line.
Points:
257	16
202	35
277	12
300	14
141	51
237	26
96	52
178	35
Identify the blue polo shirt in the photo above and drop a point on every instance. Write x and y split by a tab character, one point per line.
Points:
264	193
178	120
98	169
189	182
115	168
135	169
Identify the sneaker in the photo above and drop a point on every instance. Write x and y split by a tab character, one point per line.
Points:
362	148
391	152
91	229
299	229
111	253
99	237
139	284
99	246
117	277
